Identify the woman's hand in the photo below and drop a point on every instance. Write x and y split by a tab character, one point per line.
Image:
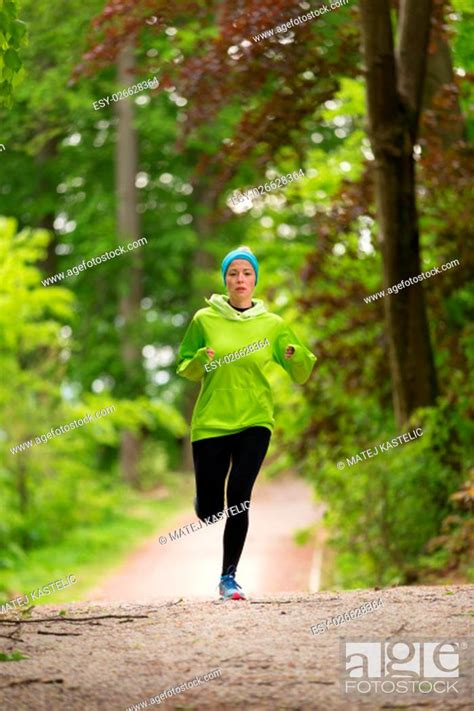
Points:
289	352
210	353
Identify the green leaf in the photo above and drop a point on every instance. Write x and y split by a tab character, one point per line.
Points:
12	60
18	30
13	657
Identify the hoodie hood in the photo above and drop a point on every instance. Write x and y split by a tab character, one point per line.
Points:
220	303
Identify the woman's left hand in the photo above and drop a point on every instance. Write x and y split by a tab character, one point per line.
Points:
289	352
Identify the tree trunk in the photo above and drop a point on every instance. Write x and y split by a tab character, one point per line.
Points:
128	228
47	186
440	74
202	263
394	91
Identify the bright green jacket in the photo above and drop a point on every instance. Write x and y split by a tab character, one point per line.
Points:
235	394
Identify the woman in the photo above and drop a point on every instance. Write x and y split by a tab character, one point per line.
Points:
227	347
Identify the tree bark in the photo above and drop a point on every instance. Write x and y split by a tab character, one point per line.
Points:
440	74
395	84
202	263
43	160
128	228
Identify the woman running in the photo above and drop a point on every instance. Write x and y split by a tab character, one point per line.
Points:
227	347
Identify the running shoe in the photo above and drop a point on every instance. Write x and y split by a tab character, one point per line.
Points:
229	588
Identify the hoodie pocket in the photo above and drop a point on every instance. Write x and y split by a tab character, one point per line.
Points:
232	407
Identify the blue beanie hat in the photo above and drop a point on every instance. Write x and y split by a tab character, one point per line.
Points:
239	253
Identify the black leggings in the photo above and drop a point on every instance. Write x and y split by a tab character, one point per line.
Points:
212	457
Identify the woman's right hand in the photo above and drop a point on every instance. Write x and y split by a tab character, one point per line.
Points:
210	353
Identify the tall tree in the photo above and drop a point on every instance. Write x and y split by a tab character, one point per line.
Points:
128	228
394	82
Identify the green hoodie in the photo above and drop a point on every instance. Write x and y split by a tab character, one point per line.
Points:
235	394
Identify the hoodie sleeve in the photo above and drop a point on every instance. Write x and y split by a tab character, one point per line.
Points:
301	363
192	353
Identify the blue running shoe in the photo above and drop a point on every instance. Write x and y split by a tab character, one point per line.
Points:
229	588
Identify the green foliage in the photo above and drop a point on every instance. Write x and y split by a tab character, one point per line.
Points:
12	36
452	549
69	481
95	546
384	511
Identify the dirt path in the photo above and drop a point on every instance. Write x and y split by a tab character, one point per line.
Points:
190	567
152	639
267	656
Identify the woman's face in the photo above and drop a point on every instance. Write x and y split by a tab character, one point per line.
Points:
240	279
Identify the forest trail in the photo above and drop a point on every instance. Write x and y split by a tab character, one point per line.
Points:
190	567
265	651
146	628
